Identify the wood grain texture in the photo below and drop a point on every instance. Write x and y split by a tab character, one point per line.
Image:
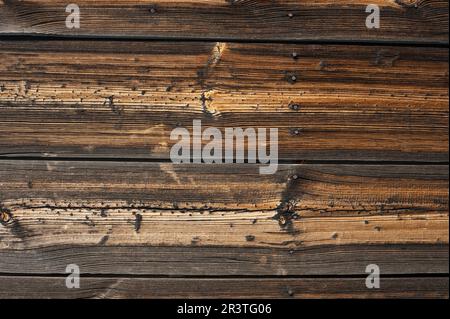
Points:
161	204
122	99
85	175
51	287
424	21
325	260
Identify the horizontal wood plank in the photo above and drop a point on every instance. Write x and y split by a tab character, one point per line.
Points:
334	260
47	203
123	99
287	20
51	287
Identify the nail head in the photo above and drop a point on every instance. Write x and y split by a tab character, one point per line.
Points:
294	106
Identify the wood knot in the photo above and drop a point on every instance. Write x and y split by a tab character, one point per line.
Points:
408	3
137	222
5	216
386	58
250	238
285	214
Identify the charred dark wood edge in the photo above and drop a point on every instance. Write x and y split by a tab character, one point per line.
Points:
56	37
55	157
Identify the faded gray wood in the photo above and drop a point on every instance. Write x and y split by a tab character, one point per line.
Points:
227	261
54	287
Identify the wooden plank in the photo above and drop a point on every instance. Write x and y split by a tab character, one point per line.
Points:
49	203
334	260
287	20
54	287
123	99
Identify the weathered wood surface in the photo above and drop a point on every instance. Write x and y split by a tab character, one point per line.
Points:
326	260
288	20
46	203
85	175
122	99
54	287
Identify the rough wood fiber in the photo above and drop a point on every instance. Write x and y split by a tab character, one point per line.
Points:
331	260
48	203
419	21
53	287
122	99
